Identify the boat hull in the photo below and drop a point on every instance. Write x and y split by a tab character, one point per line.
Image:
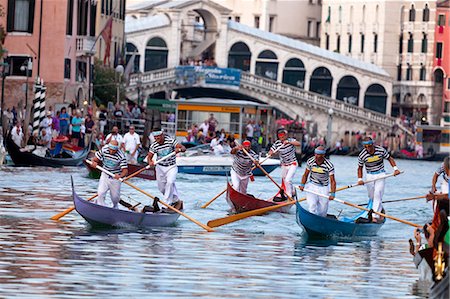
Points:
243	202
98	215
317	226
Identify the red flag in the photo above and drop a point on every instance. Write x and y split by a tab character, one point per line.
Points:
107	35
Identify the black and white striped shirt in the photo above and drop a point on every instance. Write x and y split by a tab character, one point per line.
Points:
320	174
374	163
112	162
441	170
242	164
286	151
162	150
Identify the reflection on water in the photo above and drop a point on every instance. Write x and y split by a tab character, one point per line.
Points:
263	257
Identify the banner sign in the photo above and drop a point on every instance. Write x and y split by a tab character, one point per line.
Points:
212	77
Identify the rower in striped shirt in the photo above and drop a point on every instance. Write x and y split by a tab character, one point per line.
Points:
114	161
286	150
241	170
321	177
372	158
444	170
166	171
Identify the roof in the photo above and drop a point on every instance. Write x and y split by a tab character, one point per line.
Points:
219	102
145	23
305	47
144	4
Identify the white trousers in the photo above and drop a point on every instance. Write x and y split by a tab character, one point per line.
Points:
166	176
444	187
107	183
376	191
132	158
287	175
240	183
317	205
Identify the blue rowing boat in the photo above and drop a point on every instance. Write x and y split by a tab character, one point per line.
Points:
98	215
317	226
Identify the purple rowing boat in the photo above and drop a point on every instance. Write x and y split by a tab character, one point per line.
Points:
98	215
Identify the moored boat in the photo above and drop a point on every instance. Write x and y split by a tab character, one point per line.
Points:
244	202
98	215
317	226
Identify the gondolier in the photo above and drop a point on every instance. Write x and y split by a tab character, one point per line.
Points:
241	171
372	158
166	171
113	160
286	148
321	180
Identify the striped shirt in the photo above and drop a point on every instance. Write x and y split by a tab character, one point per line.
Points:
373	162
242	164
320	174
164	149
286	151
441	170
112	162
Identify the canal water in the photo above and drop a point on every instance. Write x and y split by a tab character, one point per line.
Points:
260	257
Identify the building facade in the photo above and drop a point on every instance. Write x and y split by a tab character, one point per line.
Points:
395	35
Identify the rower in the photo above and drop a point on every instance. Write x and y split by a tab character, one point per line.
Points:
113	160
372	158
444	169
241	170
321	175
286	148
166	171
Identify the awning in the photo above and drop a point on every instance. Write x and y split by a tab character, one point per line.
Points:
161	105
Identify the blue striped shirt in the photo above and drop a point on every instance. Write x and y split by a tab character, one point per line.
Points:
112	162
164	149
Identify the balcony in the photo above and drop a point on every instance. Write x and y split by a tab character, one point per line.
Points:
338	28
362	27
375	27
350	28
408	27
408	58
423	58
373	58
424	27
85	46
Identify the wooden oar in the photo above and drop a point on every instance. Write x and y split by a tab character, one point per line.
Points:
240	216
153	197
218	195
403	199
361	208
70	209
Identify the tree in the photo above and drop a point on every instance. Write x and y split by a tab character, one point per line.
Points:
105	84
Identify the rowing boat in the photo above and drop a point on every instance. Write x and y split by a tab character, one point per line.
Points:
318	226
98	215
240	202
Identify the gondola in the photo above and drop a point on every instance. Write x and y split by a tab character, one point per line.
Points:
244	202
148	174
26	158
324	227
98	215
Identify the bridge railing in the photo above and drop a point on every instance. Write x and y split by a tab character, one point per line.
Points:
296	95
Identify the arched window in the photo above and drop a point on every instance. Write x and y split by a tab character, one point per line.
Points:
411	43
424	42
294	73
348	90
375	98
423	73
438	76
156	53
338	43
267	65
426	14
412	14
239	56
409	73
321	81
340	14
327	41
132	53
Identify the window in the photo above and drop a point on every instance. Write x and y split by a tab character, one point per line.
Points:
340	14
426	14
237	19
362	43
448	87
16	62
271	23
318	30
412	14
327	41
103	7
424	43
20	15
441	20
69	25
93	13
349	43
439	50
410	43
308	33
409	73
81	71
375	43
67	68
400	44
256	21
423	72
399	72
83	8
338	43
